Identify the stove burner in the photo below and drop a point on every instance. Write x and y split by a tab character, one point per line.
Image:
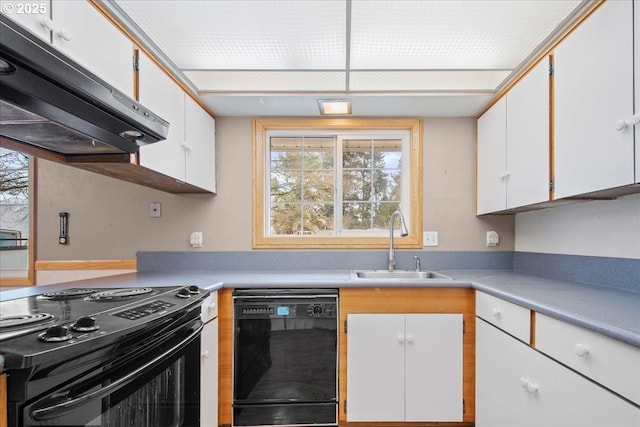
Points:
21	320
66	294
116	294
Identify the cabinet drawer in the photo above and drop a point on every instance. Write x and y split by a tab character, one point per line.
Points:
210	307
507	316
612	363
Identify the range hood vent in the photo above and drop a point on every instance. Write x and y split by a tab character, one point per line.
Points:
50	102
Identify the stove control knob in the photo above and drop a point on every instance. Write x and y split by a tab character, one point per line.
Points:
85	324
183	293
55	333
317	310
193	289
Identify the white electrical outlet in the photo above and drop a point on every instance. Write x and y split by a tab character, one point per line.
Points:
196	239
155	209
492	238
430	238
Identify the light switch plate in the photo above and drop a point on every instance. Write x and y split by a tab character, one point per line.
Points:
430	238
196	239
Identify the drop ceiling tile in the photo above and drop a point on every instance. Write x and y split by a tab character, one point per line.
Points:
247	34
472	34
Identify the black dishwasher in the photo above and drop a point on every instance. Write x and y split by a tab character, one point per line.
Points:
285	357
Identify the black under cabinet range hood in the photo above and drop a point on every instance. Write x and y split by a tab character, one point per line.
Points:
50	102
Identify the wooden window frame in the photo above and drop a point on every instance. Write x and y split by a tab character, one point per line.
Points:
259	129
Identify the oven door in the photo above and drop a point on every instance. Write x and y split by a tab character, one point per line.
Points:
158	387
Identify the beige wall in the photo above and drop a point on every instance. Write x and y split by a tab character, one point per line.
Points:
109	219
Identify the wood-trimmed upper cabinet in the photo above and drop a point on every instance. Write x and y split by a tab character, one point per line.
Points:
78	30
593	95
513	146
188	153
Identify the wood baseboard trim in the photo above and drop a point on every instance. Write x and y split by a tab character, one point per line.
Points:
103	264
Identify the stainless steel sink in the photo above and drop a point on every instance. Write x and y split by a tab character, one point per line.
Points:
399	274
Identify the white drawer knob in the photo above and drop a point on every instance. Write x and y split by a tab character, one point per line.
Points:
581	350
496	313
205	354
401	339
410	339
528	385
212	307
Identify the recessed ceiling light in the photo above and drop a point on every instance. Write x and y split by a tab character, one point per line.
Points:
334	107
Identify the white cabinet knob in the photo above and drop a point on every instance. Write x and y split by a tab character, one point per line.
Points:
46	23
205	354
496	313
410	339
528	385
504	175
581	350
622	125
401	339
212	307
63	34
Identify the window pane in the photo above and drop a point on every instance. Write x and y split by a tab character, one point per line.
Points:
286	186
356	185
388	153
14	214
356	153
318	186
318	219
286	153
356	216
285	218
318	153
387	185
382	215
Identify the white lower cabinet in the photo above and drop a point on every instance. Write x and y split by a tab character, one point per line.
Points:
518	386
209	363
404	367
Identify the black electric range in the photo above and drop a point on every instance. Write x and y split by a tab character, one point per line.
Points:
73	321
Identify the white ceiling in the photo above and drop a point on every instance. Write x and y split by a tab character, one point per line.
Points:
390	57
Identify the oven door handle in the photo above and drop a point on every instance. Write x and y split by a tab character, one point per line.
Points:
62	408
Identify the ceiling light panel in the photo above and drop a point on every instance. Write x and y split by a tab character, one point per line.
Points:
468	34
248	34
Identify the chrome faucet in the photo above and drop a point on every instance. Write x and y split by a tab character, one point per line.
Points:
417	259
391	261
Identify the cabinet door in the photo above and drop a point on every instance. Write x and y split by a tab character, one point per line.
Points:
433	367
86	36
528	139
492	160
31	15
375	367
593	91
517	386
636	67
209	374
162	96
201	147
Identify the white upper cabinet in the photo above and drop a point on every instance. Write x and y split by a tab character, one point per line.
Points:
201	148
513	146
188	153
159	93
34	16
528	139
80	31
492	158
593	95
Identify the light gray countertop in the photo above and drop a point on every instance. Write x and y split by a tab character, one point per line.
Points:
612	312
